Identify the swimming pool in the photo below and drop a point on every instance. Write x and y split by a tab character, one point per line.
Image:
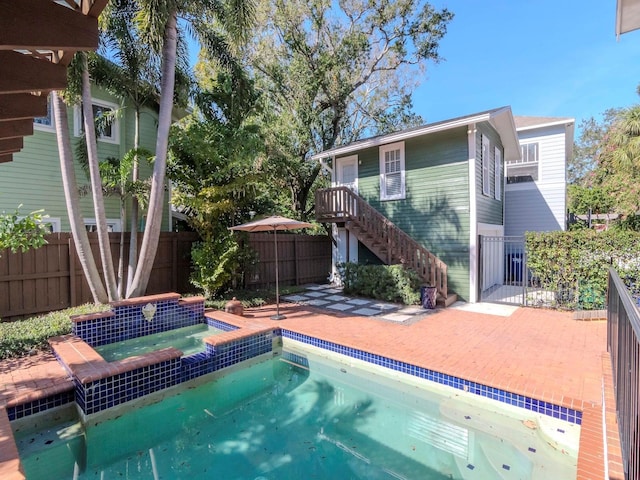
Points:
308	414
187	339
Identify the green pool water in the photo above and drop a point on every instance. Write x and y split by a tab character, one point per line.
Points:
276	420
187	339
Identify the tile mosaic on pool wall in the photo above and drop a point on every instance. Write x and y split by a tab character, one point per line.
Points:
532	404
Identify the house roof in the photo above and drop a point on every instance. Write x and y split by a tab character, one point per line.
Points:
501	119
34	59
525	122
627	16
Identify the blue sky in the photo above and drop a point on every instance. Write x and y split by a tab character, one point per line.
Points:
541	57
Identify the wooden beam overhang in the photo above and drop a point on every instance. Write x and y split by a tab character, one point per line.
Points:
10	145
45	25
16	128
6	158
18	106
26	73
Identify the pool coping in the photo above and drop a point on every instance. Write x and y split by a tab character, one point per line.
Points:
591	447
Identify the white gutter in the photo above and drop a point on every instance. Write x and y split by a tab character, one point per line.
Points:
473	216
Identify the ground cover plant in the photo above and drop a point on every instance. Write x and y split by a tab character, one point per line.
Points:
25	337
391	283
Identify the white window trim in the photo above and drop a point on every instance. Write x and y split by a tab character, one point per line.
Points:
46	128
486	184
115	222
115	126
382	151
497	161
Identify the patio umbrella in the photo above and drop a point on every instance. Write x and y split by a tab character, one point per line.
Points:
273	224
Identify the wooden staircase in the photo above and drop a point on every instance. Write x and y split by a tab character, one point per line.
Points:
388	242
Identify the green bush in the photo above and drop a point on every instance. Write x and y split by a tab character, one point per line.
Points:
575	264
391	283
22	337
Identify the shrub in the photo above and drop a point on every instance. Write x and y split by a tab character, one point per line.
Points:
575	264
22	337
391	283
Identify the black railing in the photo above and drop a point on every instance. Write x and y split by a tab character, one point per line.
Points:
623	343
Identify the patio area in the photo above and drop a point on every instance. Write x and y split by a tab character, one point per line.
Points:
546	355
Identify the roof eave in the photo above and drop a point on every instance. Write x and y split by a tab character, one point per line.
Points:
427	129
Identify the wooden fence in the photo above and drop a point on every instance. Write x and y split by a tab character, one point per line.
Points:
301	259
51	277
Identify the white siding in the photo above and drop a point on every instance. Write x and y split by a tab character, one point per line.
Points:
540	205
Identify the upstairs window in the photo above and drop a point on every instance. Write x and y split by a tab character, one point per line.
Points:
497	173
46	122
486	186
392	172
525	169
105	118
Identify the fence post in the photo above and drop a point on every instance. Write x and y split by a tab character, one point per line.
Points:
72	273
174	262
295	258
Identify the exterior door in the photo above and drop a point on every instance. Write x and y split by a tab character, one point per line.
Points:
347	172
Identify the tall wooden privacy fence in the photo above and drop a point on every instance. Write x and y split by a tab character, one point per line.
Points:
301	259
51	277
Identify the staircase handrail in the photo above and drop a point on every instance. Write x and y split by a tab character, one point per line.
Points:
342	203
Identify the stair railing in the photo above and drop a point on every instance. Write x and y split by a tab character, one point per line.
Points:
341	204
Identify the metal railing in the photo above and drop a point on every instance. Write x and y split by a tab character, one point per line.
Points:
623	343
341	204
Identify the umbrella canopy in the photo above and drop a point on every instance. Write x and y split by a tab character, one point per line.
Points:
269	224
273	224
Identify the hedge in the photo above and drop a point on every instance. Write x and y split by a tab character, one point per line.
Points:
391	283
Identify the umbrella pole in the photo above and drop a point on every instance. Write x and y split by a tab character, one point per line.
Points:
277	316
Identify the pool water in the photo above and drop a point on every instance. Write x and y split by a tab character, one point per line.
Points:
187	339
323	420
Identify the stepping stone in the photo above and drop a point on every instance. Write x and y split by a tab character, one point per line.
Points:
316	302
359	301
316	294
367	312
340	306
384	306
295	298
318	287
412	310
396	317
337	298
333	290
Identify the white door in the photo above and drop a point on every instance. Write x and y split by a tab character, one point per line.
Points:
347	172
346	248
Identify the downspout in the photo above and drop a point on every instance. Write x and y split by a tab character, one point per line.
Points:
473	216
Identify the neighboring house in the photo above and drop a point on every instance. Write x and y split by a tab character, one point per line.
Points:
536	183
441	185
33	178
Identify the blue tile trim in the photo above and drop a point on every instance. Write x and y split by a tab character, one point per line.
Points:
40	405
532	404
129	322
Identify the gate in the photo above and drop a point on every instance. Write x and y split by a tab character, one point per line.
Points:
503	270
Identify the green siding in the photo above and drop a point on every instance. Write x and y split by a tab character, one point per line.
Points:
435	211
33	179
489	210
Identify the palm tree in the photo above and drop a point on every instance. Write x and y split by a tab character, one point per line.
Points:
160	20
70	186
96	183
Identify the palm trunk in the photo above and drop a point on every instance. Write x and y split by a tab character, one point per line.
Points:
78	230
135	207
156	199
123	215
96	184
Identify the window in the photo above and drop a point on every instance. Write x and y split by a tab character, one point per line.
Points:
497	173
46	122
106	121
525	169
113	225
486	186
392	174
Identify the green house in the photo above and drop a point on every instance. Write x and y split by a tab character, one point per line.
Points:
421	197
33	178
